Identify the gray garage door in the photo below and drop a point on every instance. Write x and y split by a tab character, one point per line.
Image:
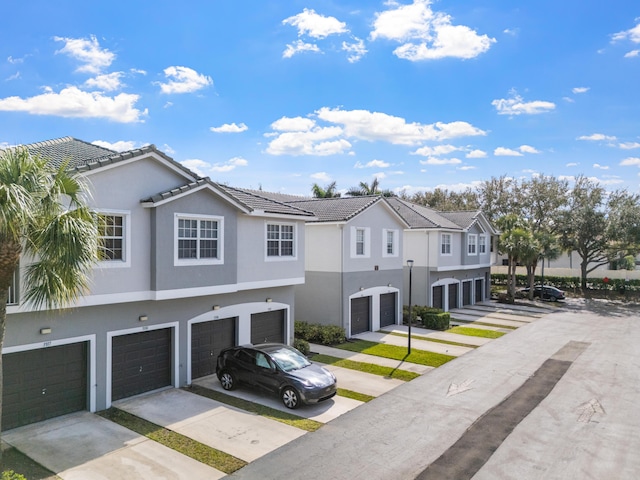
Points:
208	339
141	362
479	296
453	295
44	383
360	315
466	293
438	297
387	309
267	327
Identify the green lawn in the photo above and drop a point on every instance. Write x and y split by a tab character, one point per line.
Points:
421	357
203	453
476	332
361	397
365	367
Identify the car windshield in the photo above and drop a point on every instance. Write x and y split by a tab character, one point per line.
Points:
288	359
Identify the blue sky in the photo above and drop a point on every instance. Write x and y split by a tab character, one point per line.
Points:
281	95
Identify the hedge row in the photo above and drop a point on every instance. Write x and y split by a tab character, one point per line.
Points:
432	318
571	283
318	333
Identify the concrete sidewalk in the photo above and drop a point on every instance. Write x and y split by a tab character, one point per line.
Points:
453	350
585	427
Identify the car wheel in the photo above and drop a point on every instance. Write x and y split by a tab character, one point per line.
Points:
554	298
290	398
227	380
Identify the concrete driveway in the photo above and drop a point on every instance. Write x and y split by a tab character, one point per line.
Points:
84	446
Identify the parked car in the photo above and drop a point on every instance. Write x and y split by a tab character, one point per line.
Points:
277	368
550	293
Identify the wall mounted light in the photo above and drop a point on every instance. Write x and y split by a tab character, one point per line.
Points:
216	307
361	288
389	285
269	300
143	318
45	331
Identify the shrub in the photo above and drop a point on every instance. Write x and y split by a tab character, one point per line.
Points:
317	333
11	475
302	345
433	318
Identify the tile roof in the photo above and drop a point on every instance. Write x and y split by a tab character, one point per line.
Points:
255	200
419	216
338	209
278	197
462	218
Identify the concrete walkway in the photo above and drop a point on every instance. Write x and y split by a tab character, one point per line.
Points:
424	334
585	427
453	350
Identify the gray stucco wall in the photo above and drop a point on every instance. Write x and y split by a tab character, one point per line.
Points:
424	278
319	300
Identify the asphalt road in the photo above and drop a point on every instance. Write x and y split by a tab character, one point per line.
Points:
556	399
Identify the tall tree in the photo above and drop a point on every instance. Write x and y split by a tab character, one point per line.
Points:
43	218
364	188
328	191
500	197
446	200
515	241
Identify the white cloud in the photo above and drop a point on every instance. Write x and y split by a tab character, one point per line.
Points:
569	99
632	53
440	161
107	82
631	161
319	141
167	149
183	80
517	106
476	154
426	34
510	31
629	145
376	126
315	25
597	137
229	128
373	164
293	124
572	164
506	152
633	34
15	76
355	50
321	176
119	146
13	61
436	151
88	52
197	166
527	149
299	46
204	169
601	167
73	102
580	90
466	167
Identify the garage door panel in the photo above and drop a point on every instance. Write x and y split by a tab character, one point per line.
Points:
268	327
387	309
208	339
360	315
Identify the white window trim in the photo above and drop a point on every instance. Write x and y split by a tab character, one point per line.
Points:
180	262
442	235
481	239
126	249
472	239
396	236
280	258
367	242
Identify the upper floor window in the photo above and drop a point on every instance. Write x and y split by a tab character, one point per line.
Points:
114	238
472	243
482	244
390	243
445	244
360	240
198	240
280	240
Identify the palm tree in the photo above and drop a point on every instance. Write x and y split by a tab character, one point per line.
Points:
516	241
327	192
364	188
43	217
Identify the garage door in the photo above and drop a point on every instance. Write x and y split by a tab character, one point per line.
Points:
453	295
44	383
360	315
267	327
387	309
479	295
141	362
208	339
466	293
438	297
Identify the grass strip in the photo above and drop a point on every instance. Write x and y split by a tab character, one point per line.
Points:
361	397
187	446
262	410
387	372
429	339
421	357
486	324
476	332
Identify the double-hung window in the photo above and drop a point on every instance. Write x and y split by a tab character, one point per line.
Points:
390	243
360	242
472	242
280	240
198	240
113	238
445	244
482	244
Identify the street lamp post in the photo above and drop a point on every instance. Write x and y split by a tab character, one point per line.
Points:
410	265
